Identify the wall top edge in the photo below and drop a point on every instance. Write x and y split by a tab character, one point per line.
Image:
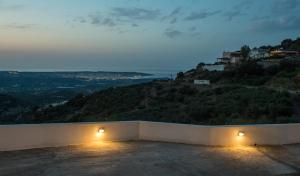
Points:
159	123
72	123
225	126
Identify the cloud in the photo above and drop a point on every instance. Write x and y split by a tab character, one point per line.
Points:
175	12
193	28
173	16
244	4
200	15
173	21
134	25
284	6
196	34
171	33
230	15
17	26
284	17
4	6
238	10
258	18
118	17
97	20
285	23
80	20
108	22
135	13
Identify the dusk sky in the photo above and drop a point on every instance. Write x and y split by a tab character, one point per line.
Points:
129	35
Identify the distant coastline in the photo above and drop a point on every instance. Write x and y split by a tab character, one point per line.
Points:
145	73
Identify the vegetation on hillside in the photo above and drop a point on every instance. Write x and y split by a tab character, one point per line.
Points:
287	44
245	93
12	108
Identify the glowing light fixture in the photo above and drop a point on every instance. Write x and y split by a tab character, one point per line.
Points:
100	132
241	133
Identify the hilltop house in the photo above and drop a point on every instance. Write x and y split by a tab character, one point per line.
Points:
230	57
282	53
223	60
258	53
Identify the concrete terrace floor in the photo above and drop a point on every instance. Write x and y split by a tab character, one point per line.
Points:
151	158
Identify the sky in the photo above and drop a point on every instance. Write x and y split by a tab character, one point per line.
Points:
137	35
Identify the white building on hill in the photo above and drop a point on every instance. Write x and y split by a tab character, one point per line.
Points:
231	57
202	82
257	53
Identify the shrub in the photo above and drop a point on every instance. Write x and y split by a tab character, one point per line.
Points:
289	65
249	68
187	90
180	75
272	70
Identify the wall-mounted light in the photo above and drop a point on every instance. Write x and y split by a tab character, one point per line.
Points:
241	133
100	132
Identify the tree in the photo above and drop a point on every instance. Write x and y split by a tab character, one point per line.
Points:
289	65
250	68
286	44
296	45
268	47
245	50
200	66
180	75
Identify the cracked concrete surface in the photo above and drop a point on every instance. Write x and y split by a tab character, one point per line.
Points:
140	158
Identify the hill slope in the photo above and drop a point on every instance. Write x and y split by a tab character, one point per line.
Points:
247	93
12	109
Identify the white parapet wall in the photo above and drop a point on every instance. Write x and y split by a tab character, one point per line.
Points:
19	137
276	134
179	133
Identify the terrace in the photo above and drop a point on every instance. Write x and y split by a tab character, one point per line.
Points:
133	148
139	158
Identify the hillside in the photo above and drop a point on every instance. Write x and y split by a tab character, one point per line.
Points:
287	44
12	109
284	76
247	93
